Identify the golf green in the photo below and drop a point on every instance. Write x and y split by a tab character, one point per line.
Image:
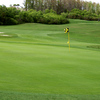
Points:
35	60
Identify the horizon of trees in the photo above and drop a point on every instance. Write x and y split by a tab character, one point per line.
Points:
49	12
62	5
13	16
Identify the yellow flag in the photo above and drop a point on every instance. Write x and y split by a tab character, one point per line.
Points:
67	30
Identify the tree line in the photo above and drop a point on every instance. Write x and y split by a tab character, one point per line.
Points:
49	12
62	5
13	16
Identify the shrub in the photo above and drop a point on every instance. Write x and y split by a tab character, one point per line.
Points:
51	18
12	16
81	14
47	11
7	15
64	14
35	15
10	21
52	11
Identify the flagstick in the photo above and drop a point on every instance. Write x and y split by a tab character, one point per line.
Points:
67	31
69	41
69	46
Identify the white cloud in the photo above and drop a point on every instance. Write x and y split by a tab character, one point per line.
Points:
96	1
8	2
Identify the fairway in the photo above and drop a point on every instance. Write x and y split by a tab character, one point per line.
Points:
36	64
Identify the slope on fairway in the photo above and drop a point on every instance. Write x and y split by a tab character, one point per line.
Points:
39	61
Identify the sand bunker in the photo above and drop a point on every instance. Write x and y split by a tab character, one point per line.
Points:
1	32
4	35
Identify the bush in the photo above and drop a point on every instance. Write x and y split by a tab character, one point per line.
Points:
35	15
64	14
81	14
49	11
7	15
51	18
12	16
11	21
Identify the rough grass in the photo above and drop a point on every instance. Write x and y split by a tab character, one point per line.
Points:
31	96
37	63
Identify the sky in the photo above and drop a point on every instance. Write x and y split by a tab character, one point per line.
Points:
96	1
8	2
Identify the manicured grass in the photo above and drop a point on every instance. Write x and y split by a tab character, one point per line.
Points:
36	63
